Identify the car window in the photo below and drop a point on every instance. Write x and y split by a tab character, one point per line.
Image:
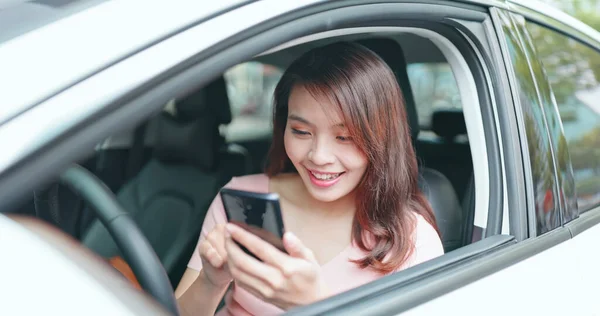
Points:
574	73
250	89
434	87
546	204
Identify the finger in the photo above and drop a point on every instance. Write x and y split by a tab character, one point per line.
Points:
262	249
262	233
240	260
294	246
217	239
211	255
252	284
281	303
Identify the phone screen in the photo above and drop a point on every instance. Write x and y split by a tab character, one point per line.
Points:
257	213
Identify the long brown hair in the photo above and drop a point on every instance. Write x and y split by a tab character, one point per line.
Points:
366	92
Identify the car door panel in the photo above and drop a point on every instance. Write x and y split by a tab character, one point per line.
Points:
526	283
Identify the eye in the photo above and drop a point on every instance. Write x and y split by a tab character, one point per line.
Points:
299	132
344	138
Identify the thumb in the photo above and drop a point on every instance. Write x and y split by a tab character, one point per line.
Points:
296	248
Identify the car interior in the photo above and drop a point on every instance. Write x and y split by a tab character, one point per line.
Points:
166	171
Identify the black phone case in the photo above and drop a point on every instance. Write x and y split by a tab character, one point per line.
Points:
249	201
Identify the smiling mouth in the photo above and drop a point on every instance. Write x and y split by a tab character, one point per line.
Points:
326	176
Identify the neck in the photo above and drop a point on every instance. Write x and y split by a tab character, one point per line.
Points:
298	194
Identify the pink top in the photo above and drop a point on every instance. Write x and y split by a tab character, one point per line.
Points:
339	273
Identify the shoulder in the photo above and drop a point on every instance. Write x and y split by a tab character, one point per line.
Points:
424	232
254	182
428	243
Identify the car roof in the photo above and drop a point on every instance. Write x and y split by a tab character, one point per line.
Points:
48	58
18	17
94	34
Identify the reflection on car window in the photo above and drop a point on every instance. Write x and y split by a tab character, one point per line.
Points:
434	87
574	73
250	89
547	211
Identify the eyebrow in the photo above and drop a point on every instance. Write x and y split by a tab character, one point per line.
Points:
300	119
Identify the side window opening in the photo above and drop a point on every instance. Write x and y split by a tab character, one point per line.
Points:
250	89
434	87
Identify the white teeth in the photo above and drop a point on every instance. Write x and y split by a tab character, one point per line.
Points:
325	176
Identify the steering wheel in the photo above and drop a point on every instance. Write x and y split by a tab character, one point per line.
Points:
133	244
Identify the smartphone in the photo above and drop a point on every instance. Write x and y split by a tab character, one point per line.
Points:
258	213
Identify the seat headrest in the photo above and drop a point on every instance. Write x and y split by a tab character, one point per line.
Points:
192	143
211	100
391	52
190	134
448	123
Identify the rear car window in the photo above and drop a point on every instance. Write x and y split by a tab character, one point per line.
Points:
434	87
250	88
574	74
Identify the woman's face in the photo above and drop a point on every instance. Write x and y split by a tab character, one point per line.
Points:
318	144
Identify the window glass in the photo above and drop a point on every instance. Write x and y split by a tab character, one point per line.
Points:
434	87
546	205
573	70
250	87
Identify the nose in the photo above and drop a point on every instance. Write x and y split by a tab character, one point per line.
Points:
321	153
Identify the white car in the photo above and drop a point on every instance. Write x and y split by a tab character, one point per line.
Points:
117	131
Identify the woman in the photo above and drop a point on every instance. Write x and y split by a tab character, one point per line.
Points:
344	167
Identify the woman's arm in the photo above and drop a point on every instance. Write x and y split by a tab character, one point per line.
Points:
196	295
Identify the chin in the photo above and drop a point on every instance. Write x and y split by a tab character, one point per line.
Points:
325	196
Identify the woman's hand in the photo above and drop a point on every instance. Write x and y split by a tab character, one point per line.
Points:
283	280
214	257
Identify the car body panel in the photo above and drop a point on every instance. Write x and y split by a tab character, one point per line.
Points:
48	59
530	287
